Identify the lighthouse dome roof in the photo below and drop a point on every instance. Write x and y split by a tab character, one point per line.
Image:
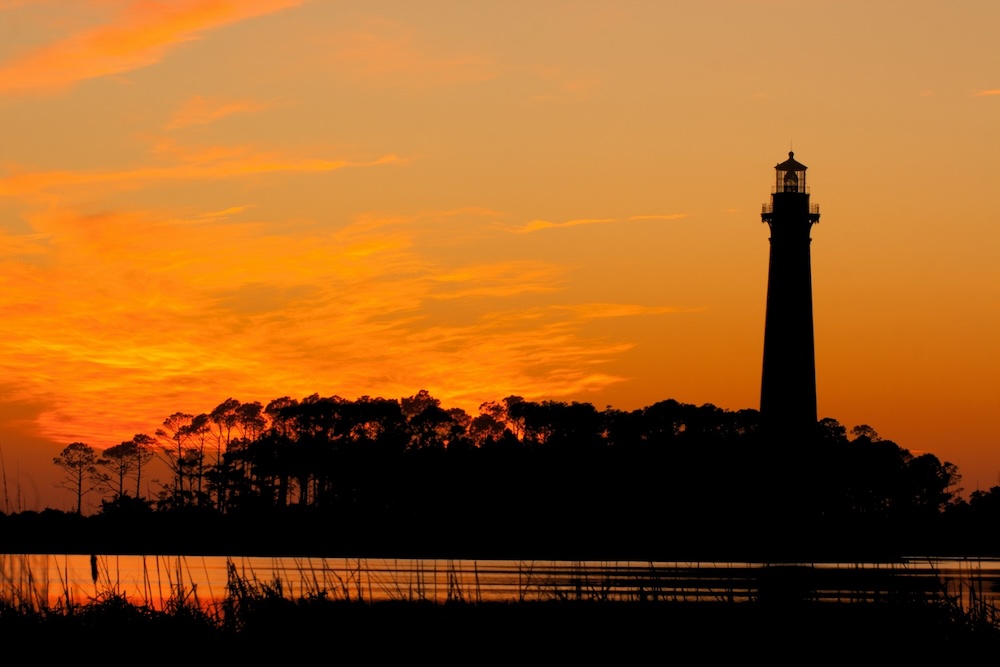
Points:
791	164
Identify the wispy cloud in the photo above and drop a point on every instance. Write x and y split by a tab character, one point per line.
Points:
562	86
212	164
387	53
988	93
505	279
138	36
224	213
608	310
113	321
201	111
666	216
539	225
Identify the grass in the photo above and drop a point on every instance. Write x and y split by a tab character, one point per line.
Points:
256	619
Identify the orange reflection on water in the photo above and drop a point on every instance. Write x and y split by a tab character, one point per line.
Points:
162	582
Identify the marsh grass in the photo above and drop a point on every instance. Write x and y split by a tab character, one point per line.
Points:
254	617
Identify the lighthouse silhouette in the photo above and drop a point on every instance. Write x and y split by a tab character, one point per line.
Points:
788	378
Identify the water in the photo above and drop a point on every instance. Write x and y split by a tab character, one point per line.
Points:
156	581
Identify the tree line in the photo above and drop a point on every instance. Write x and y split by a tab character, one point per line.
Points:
381	457
520	472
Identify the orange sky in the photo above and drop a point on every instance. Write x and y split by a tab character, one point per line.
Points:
202	199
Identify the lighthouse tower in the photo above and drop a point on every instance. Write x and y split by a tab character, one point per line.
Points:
788	380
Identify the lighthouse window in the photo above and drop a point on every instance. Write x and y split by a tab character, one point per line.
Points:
791	182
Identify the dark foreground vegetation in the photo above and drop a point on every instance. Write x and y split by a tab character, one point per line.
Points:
780	613
268	626
373	476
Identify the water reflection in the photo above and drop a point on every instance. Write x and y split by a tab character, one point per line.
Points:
156	581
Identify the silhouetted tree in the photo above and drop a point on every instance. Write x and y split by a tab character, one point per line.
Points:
126	506
488	426
933	484
196	434
127	459
171	440
415	405
663	422
120	461
144	453
865	431
250	420
80	462
831	432
512	415
225	418
433	428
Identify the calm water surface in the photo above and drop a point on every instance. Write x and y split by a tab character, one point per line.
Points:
157	580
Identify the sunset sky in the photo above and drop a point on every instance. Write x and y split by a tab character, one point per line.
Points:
203	199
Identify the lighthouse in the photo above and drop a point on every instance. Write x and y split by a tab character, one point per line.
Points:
788	378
